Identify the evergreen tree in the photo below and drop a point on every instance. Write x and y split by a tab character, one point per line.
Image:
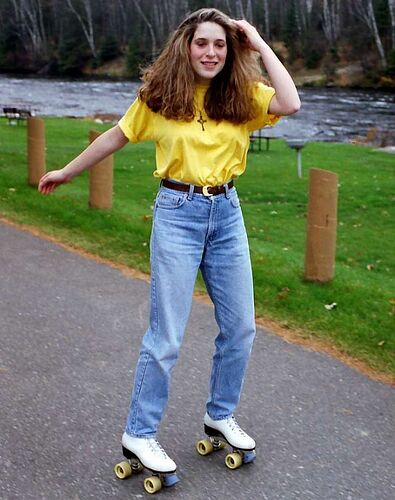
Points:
132	59
72	57
108	49
290	33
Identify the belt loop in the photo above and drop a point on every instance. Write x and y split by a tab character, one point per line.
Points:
190	194
227	195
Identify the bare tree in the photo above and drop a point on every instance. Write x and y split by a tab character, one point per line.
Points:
244	12
137	4
228	6
123	19
159	16
303	15
391	6
249	12
364	10
304	10
331	20
86	21
267	18
169	7
30	25
309	6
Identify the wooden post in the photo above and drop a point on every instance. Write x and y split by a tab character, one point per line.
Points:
35	150
321	226
100	180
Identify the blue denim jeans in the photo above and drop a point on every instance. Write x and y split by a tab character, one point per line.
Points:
192	231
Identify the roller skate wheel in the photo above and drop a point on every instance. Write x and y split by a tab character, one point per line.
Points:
233	460
152	484
123	470
204	447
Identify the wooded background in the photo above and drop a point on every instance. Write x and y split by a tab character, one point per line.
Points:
67	37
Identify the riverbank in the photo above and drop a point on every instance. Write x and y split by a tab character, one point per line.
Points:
346	75
274	203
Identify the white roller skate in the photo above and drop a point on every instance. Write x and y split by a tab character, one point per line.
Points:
227	431
146	453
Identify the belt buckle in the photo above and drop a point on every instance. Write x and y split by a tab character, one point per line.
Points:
205	190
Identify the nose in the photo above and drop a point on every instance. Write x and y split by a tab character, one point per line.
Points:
211	51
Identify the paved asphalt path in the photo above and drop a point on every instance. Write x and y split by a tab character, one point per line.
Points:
70	332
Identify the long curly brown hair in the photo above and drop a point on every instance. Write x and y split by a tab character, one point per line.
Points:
169	83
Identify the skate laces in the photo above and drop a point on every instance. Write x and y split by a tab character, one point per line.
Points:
234	426
156	447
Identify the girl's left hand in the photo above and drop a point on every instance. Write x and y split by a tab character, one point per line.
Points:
253	38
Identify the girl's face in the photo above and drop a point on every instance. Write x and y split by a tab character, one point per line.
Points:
208	51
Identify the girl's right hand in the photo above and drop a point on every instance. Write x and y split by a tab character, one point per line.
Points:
51	180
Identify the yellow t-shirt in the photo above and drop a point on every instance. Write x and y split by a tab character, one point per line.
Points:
202	152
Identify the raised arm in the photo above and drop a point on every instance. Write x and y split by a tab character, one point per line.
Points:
286	100
109	142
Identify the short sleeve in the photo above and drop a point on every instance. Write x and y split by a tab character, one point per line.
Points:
262	95
138	122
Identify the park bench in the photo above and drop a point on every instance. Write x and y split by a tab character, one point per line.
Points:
258	135
16	115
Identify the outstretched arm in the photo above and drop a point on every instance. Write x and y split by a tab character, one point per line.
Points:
112	140
286	100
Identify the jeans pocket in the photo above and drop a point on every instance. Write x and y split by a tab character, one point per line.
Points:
234	200
170	200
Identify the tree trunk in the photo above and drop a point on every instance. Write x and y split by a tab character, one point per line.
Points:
30	26
267	18
228	6
149	26
249	13
331	20
298	16
239	9
391	6
376	34
86	24
364	10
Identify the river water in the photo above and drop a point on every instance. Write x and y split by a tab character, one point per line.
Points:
327	114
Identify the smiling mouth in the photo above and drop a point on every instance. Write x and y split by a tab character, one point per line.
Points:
209	64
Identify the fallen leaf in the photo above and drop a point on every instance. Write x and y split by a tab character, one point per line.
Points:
329	307
382	342
284	293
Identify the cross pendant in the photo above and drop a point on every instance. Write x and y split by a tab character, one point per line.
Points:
201	121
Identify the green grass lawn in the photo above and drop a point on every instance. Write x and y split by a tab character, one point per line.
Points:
274	203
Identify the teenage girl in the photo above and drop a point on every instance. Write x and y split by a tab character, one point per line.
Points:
199	102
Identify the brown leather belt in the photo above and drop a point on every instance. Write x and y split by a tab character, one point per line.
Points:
206	190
